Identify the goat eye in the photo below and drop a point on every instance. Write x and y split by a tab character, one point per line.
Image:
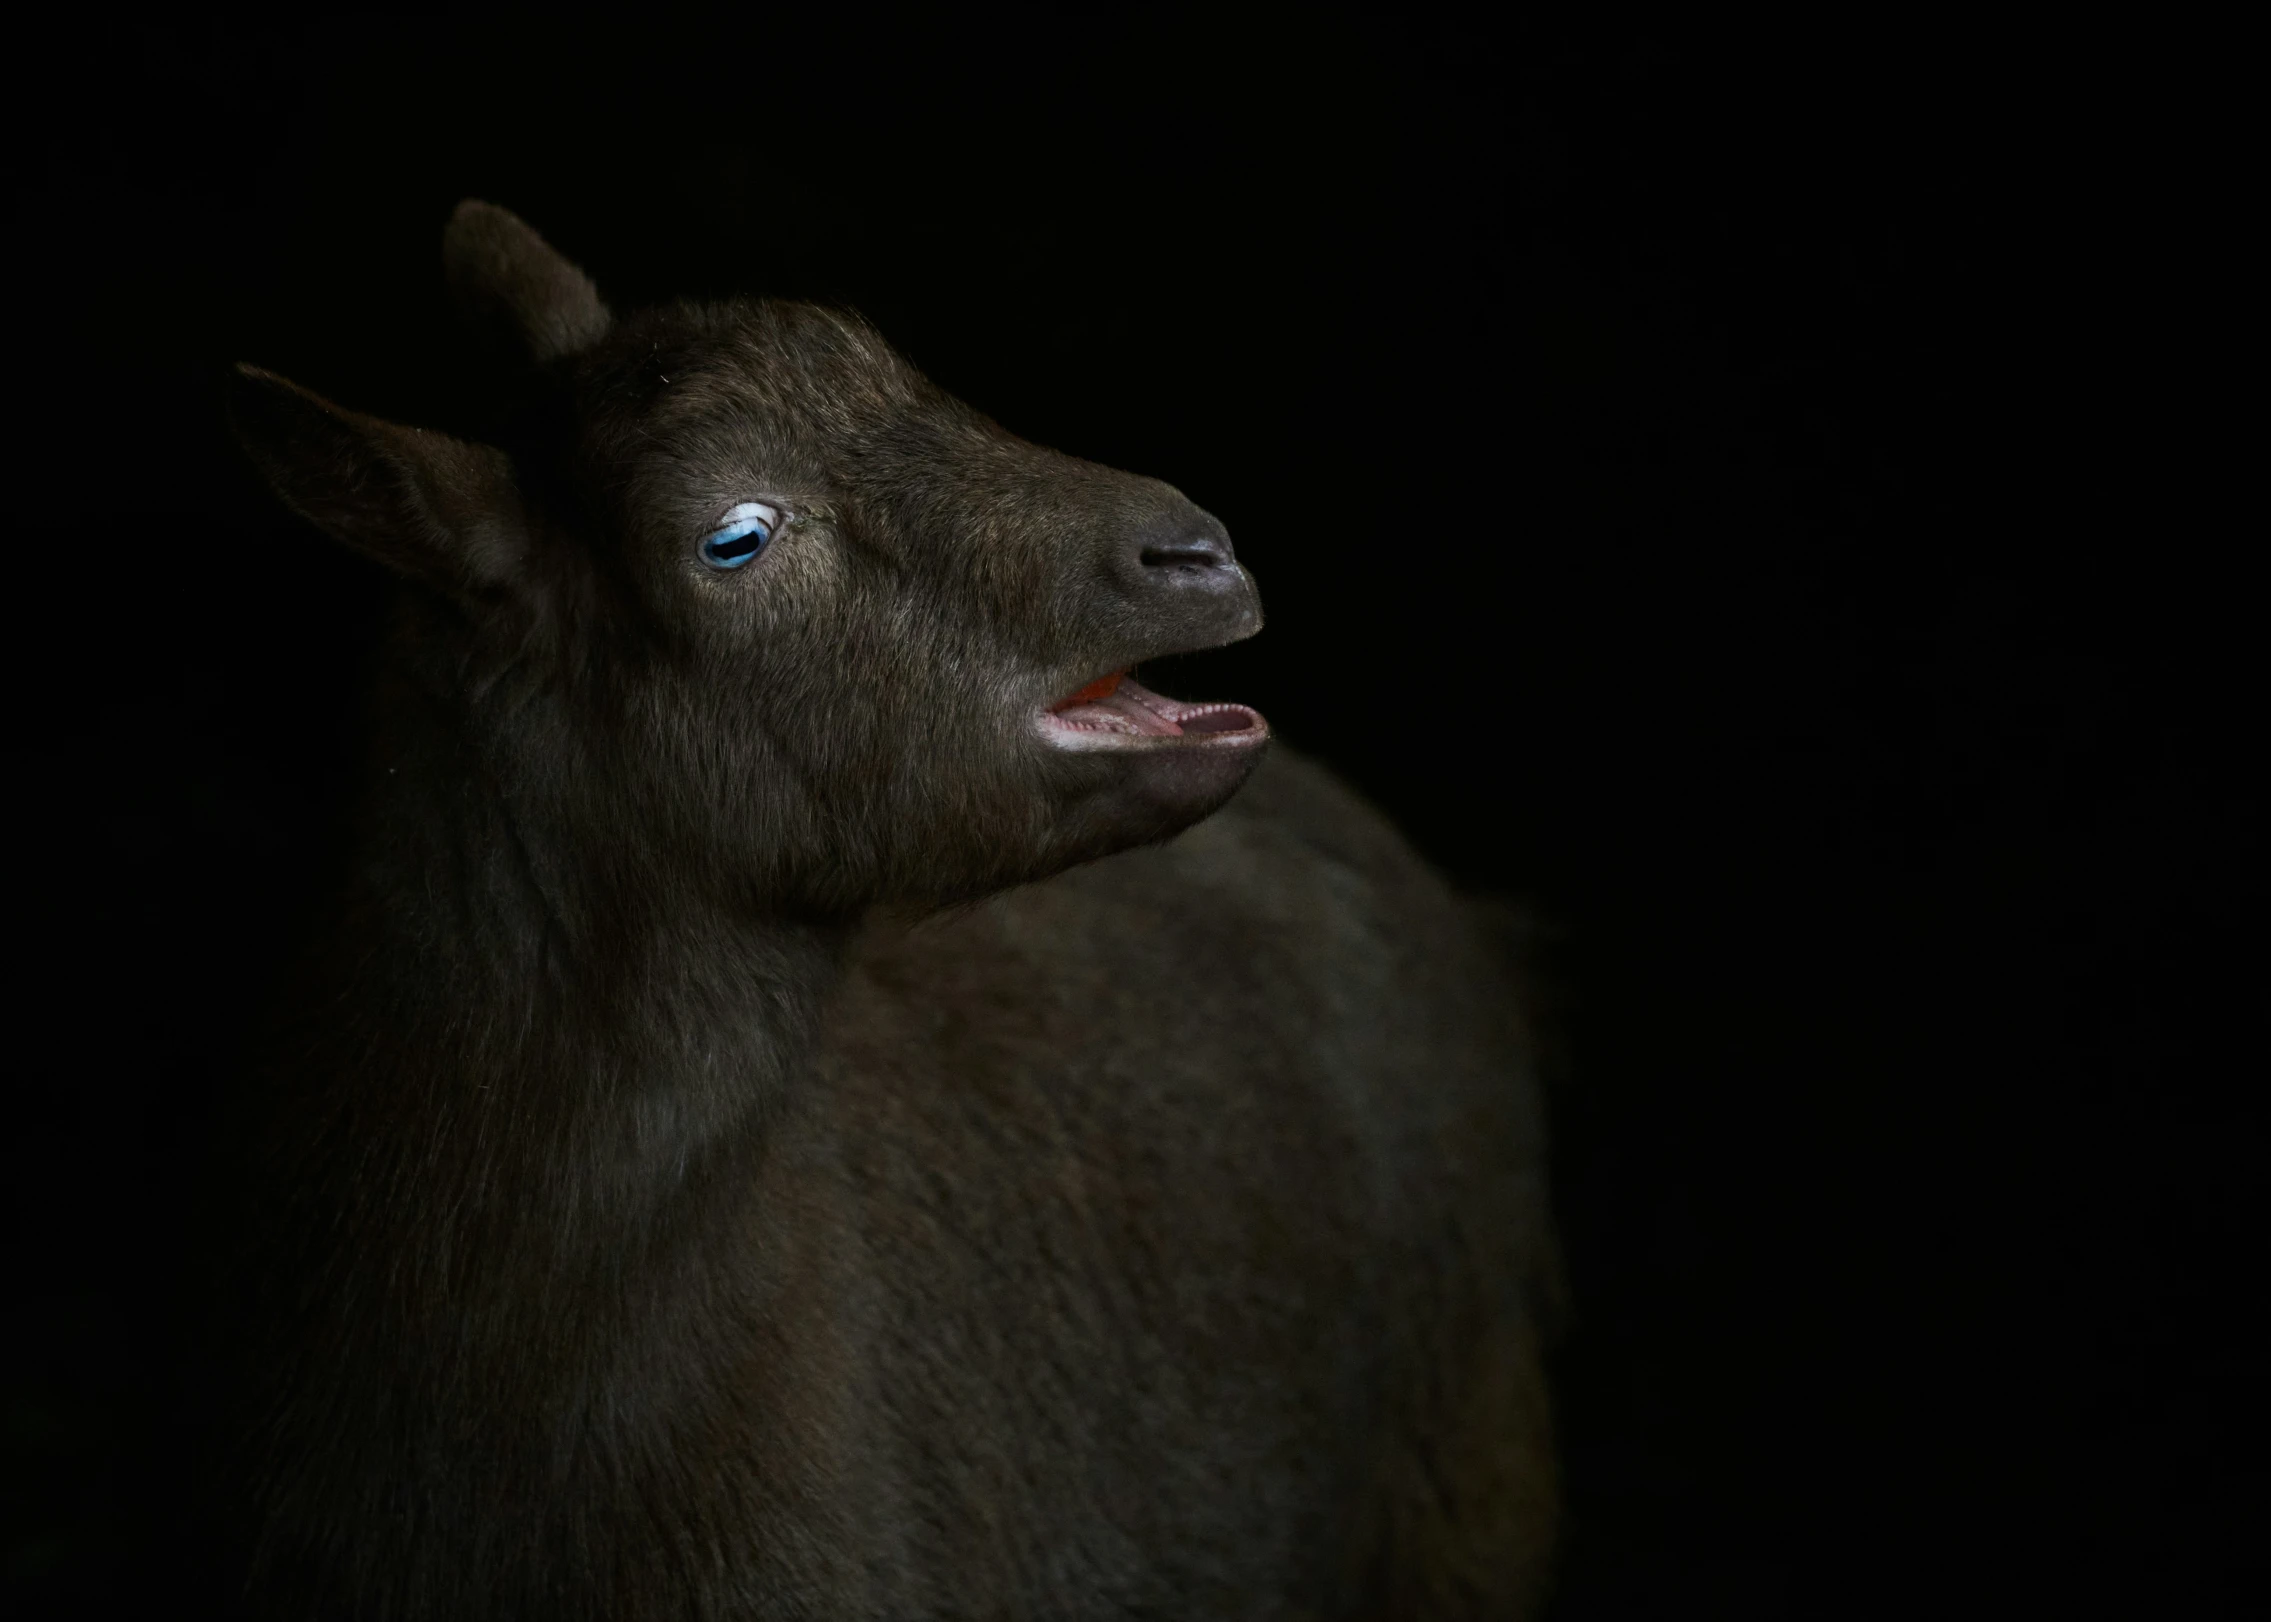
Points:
740	535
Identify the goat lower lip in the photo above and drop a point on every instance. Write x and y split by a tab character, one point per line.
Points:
1116	710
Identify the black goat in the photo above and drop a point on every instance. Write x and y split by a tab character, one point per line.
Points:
744	1150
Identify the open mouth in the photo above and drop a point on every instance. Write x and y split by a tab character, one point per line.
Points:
1117	713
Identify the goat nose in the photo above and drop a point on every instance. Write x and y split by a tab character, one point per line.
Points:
1181	566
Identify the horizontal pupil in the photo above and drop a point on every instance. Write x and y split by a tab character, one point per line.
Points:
736	544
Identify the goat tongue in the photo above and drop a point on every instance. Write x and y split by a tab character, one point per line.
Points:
1117	704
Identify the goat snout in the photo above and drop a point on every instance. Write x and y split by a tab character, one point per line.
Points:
1185	567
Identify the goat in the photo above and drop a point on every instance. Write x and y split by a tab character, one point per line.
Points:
816	1100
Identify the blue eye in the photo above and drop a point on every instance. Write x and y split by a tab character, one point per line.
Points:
740	535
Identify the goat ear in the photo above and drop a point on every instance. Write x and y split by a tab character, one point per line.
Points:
438	509
507	279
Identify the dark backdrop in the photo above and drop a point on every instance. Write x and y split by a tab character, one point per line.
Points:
1640	440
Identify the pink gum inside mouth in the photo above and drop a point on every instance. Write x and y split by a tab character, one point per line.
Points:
1128	707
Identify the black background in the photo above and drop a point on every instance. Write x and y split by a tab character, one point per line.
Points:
1678	467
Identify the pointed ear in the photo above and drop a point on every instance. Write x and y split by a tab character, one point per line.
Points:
509	280
438	509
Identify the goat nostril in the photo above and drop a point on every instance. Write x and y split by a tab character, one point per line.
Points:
1189	552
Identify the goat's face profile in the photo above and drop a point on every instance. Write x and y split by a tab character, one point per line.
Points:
753	602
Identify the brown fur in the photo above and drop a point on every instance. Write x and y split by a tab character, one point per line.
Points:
663	1208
